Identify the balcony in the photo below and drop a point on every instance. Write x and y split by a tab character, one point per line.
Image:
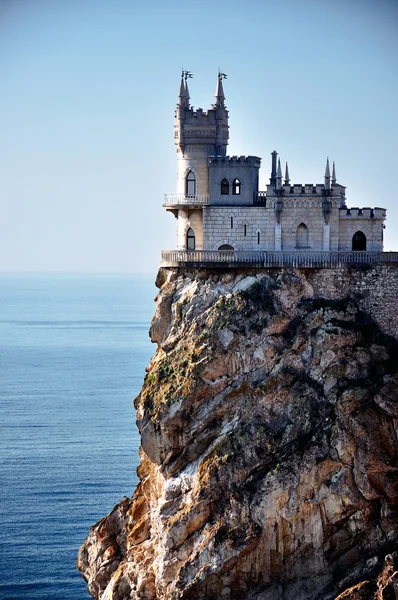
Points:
176	200
241	258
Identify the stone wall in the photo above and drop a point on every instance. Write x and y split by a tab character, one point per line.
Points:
371	227
375	289
218	230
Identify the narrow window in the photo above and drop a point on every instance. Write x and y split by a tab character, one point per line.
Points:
258	237
359	241
190	184
224	187
302	236
232	222
236	187
190	239
244	230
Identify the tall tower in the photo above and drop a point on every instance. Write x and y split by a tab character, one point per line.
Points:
198	134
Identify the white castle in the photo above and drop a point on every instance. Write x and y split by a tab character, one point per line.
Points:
218	204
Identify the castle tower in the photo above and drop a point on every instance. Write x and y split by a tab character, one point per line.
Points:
198	134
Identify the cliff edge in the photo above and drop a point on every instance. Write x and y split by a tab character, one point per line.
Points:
268	421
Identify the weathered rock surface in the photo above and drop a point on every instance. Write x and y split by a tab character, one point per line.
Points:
269	471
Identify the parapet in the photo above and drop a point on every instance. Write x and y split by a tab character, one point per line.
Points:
307	189
244	161
362	213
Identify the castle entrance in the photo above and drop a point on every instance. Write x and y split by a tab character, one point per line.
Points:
359	241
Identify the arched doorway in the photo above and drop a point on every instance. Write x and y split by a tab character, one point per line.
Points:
225	247
190	242
359	241
302	236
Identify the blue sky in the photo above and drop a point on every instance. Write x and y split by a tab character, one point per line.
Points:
87	97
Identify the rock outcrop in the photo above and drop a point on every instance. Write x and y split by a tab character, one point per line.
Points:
268	421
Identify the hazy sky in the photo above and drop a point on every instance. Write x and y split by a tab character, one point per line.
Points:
87	97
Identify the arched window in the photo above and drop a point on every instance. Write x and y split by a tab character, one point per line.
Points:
190	239
225	247
236	187
302	236
224	187
359	241
190	184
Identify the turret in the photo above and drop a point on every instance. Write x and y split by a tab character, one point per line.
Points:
198	134
219	95
184	92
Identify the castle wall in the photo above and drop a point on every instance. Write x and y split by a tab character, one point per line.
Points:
217	227
243	168
354	219
258	219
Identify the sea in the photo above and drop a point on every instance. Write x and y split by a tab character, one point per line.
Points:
73	352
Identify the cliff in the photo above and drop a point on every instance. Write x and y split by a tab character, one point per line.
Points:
268	421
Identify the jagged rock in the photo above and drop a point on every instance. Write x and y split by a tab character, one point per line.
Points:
268	468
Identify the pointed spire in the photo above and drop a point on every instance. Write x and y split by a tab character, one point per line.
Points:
279	175
327	170
184	92
327	175
334	180
279	171
220	97
287	178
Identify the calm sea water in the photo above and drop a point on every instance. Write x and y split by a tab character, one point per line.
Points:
73	351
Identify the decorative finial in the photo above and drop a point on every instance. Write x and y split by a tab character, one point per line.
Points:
327	176
279	171
334	180
327	170
287	178
220	97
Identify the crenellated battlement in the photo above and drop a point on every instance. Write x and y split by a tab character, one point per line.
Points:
250	161
306	189
362	213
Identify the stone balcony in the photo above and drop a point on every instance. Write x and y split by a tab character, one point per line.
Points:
246	258
183	200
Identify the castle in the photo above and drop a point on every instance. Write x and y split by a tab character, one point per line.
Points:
219	207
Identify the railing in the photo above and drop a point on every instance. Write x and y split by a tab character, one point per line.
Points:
184	199
274	259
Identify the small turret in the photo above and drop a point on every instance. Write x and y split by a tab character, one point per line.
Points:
183	98
287	179
220	97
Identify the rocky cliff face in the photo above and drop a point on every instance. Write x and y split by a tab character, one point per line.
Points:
268	423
